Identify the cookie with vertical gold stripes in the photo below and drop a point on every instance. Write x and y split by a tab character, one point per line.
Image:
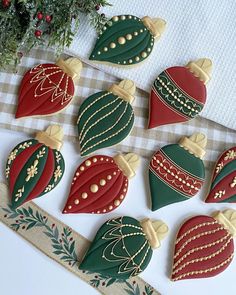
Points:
204	246
100	183
106	118
179	93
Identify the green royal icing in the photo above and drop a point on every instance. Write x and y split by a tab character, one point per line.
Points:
162	194
104	120
164	86
138	41
120	249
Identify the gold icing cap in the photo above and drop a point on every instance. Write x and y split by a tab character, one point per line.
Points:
72	66
128	163
228	219
155	231
125	89
52	137
155	25
201	68
195	144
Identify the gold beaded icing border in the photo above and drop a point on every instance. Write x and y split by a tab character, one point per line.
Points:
62	244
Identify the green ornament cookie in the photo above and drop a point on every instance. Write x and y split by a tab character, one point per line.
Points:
123	247
177	172
127	39
36	166
106	118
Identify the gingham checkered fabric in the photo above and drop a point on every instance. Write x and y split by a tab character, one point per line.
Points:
141	140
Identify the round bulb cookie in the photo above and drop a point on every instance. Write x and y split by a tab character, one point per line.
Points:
127	40
204	246
122	247
48	89
106	118
100	183
179	93
35	166
223	183
177	172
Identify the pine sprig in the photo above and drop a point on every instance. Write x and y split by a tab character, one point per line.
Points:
26	24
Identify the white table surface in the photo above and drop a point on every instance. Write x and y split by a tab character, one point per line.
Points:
25	270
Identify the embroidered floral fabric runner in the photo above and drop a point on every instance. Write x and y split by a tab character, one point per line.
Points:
63	245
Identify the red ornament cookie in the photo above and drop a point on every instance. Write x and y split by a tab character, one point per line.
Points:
47	88
100	183
178	94
223	183
204	246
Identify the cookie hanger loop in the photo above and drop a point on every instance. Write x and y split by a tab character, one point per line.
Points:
128	163
72	66
155	231
228	219
195	144
52	137
201	68
155	25
125	89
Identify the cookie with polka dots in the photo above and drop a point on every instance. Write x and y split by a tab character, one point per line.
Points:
127	40
100	183
179	93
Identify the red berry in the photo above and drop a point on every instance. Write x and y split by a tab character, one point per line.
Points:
20	55
5	215
5	3
53	224
103	284
23	227
102	15
48	18
37	33
97	7
39	15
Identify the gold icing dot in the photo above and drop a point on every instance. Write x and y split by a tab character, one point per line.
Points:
121	40
94	188
137	58
102	182
84	195
110	207
116	202
135	33
128	36
105	48
82	168
123	17
130	61
69	207
113	45
94	160
87	163
115	18
76	202
109	177
121	197
144	54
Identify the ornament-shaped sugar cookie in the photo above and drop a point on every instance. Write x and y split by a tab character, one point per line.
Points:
123	247
35	166
179	93
100	183
127	40
47	89
223	183
176	171
106	118
204	246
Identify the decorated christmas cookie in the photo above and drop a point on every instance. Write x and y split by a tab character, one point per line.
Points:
48	88
123	247
179	93
106	118
100	183
127	39
177	172
204	246
223	183
36	166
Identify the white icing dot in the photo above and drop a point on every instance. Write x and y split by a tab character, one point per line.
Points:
121	197
135	33
113	45
137	58
130	61
77	174
94	188
110	207
121	40
84	195
105	49
69	207
102	182
94	160
87	163
109	177
144	54
116	203
104	210
82	168
76	202
123	17
128	36
115	18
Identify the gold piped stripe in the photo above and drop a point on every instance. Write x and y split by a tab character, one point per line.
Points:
196	237
201	248
196	272
204	258
194	228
